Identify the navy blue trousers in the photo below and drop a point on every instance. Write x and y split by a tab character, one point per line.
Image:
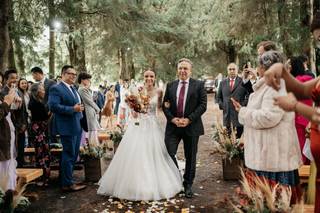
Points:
71	145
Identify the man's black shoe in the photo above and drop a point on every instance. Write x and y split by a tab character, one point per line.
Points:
188	191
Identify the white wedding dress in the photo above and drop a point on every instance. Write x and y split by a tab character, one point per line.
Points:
142	168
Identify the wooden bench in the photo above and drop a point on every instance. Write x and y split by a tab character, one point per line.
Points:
28	175
304	173
308	209
32	150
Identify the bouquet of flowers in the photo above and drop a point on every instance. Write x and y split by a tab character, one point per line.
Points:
139	102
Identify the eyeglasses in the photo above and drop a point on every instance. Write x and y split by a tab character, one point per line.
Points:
71	73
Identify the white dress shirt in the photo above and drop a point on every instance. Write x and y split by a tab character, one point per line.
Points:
185	93
69	87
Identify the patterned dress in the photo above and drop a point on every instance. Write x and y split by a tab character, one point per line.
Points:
38	132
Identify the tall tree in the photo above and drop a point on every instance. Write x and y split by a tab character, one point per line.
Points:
4	33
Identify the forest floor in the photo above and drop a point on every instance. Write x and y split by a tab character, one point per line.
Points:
211	191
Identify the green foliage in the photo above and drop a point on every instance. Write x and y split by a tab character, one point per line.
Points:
159	32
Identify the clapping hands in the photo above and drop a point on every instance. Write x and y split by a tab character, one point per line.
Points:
181	122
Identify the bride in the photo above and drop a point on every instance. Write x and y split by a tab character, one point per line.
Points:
142	169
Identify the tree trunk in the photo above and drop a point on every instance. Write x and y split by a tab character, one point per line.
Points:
231	52
11	58
130	64
19	54
123	72
4	34
76	47
52	41
305	20
284	35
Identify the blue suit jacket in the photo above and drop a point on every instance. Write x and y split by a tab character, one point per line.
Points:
65	120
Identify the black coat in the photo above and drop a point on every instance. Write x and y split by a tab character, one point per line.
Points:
5	133
240	93
196	105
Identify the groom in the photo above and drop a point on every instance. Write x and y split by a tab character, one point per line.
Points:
184	102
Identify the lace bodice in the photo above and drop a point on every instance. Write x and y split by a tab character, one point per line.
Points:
153	105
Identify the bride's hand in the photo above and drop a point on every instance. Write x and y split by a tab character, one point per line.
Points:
134	114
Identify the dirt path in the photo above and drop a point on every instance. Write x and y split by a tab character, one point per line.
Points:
209	188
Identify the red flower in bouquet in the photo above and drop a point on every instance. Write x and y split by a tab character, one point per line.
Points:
139	103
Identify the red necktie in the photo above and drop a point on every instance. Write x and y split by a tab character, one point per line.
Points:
231	83
181	99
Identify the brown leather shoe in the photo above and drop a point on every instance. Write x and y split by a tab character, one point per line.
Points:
73	188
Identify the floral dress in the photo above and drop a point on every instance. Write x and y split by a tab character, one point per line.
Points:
38	132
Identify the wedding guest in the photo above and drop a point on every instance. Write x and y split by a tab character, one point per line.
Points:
264	46
8	162
239	89
65	104
18	111
39	129
91	108
23	87
99	99
298	71
38	76
108	107
123	113
270	140
117	95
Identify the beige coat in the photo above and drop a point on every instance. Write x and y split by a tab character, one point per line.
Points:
271	142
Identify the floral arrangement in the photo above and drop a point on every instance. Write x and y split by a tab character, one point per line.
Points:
13	200
257	195
116	136
228	144
92	150
139	101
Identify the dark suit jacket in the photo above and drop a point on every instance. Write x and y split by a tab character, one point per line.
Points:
19	116
65	120
240	93
47	85
196	105
5	133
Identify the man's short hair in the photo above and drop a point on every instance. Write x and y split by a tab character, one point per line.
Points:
267	45
36	70
65	68
185	60
83	76
234	64
8	72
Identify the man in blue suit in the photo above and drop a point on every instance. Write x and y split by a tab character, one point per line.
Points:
65	103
